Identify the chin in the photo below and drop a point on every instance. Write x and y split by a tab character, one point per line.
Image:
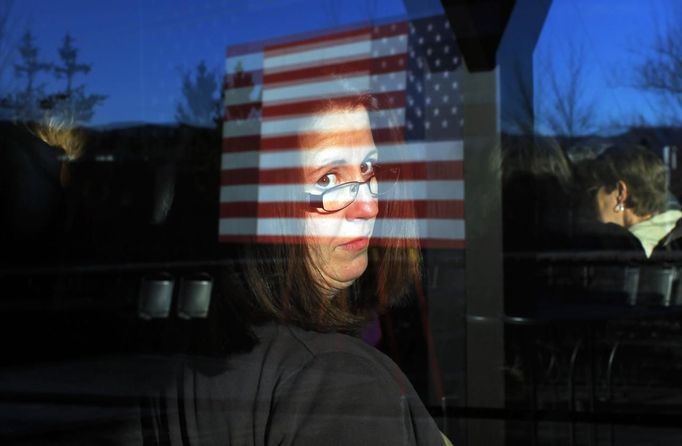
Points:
348	271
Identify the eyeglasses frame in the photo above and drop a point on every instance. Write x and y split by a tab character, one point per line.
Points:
316	200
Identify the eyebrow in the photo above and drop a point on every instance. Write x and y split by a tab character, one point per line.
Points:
327	165
372	153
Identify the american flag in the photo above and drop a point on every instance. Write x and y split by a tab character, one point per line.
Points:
410	67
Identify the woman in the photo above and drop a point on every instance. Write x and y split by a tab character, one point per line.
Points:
304	379
631	192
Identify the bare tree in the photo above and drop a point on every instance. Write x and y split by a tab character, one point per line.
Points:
519	114
660	69
565	105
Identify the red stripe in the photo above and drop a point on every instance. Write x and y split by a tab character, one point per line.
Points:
301	45
287	142
429	170
430	209
389	30
240	111
239	176
377	65
395	99
245	79
241	143
374	242
237	210
409	170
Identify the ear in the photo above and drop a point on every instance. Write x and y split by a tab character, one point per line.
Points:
622	191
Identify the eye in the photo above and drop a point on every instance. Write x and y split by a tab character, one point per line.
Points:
367	167
327	180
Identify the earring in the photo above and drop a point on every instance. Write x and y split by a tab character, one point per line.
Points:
620	207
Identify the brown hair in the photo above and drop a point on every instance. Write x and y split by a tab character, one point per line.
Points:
278	277
640	169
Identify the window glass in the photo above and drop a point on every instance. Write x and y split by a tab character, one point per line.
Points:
511	168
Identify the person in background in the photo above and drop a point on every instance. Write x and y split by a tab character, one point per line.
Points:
537	203
630	184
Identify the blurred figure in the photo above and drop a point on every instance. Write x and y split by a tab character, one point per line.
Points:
629	183
537	214
537	202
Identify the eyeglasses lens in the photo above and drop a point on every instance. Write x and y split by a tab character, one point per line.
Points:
339	197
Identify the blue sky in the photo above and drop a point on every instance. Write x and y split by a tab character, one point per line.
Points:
138	48
613	35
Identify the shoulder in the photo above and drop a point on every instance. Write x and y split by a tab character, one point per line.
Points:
287	344
348	391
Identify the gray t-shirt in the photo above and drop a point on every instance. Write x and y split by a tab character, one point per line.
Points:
295	387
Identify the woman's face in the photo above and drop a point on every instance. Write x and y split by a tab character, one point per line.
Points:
342	151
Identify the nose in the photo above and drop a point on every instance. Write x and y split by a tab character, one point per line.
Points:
365	205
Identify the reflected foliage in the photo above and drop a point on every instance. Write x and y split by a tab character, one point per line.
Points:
70	106
200	106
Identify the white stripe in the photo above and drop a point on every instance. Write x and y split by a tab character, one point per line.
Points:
391	46
236	96
318	56
242	160
239	194
419	151
447	229
379	119
248	62
404	190
335	87
238	226
241	127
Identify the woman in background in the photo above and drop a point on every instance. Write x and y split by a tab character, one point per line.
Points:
630	184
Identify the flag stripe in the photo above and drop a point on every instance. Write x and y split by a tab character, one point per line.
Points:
316	41
384	101
424	228
405	190
432	243
388	153
238	96
245	62
410	170
376	32
286	142
241	109
339	67
241	143
304	124
446	209
379	83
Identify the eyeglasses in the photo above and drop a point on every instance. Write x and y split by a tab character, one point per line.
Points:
341	196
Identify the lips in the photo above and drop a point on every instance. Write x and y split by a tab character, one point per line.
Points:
357	244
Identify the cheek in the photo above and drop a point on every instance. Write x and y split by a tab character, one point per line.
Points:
603	206
336	226
317	226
